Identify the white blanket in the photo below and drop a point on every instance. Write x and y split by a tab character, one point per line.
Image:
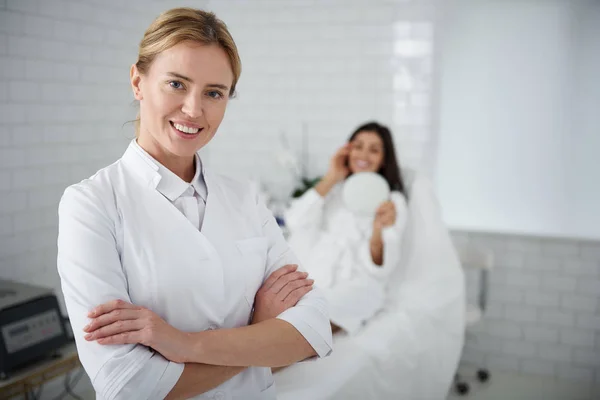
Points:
411	349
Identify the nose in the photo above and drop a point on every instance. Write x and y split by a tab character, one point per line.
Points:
361	153
193	106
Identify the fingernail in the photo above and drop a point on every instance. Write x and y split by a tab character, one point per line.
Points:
91	313
85	328
88	336
311	281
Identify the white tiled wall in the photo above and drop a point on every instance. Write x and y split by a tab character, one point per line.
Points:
543	315
318	66
64	106
64	97
321	66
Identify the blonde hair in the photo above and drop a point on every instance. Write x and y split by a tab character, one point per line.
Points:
180	24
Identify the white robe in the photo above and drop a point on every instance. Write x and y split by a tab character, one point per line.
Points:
333	245
411	348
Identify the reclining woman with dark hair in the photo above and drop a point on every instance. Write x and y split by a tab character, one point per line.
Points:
349	256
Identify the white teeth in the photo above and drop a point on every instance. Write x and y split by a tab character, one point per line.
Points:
185	129
362	164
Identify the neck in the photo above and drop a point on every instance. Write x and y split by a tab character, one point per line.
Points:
183	167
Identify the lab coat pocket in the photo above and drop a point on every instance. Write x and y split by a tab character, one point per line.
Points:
253	262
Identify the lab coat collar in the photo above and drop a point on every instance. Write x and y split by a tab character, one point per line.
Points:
161	178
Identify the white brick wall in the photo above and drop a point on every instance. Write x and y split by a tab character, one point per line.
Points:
65	95
540	333
549	291
324	67
536	367
327	66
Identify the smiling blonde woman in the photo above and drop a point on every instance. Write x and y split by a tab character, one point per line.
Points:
177	280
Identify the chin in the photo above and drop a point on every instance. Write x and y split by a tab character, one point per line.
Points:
185	147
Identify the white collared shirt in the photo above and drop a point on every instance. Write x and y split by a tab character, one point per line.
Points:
189	198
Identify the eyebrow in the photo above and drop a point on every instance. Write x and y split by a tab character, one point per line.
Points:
185	78
361	141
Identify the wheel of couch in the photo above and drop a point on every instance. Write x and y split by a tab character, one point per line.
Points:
483	375
462	388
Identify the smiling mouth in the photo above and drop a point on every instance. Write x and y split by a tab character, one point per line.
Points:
361	164
186	130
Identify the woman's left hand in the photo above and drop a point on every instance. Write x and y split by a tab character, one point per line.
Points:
120	322
385	216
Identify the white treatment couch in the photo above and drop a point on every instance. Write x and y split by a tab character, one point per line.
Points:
411	349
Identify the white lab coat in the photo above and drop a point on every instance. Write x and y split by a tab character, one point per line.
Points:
119	238
333	244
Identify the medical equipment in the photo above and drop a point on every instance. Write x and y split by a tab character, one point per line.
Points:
364	192
31	325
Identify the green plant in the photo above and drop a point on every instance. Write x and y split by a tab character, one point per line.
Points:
306	184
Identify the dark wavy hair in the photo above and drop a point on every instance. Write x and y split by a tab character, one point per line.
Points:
390	169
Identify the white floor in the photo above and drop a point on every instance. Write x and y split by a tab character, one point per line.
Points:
504	386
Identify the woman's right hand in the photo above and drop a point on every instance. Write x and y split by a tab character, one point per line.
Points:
338	165
337	172
282	290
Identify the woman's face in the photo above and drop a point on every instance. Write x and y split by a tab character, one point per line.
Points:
182	99
366	152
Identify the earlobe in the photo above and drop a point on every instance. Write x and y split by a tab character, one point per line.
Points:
135	79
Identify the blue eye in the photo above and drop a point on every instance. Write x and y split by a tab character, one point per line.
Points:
176	84
215	94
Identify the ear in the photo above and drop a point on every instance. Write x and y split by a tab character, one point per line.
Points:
135	78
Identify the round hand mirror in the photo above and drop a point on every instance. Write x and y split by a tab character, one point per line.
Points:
364	192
